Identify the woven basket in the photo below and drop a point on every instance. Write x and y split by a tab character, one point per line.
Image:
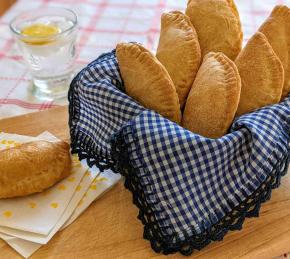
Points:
190	190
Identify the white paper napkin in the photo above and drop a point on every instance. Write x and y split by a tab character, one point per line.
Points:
101	184
92	186
104	182
43	239
40	212
24	248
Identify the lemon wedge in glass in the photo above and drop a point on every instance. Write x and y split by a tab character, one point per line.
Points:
39	34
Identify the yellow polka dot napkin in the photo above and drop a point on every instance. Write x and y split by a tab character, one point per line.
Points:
98	187
92	185
78	194
40	212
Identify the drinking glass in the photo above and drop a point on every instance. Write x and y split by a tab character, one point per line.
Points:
46	38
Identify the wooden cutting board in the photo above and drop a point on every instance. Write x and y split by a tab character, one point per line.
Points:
109	227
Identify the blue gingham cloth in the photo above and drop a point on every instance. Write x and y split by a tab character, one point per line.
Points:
190	186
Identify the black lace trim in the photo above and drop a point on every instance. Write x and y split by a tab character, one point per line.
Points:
152	232
81	143
172	244
118	161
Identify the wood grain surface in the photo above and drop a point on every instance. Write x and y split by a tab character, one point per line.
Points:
109	227
5	5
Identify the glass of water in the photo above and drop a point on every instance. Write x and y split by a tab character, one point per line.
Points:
46	39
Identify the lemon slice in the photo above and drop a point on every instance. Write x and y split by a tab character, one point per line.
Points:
39	33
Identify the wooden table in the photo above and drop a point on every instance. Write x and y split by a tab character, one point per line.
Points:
5	5
110	229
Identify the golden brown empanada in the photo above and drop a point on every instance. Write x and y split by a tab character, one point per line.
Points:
179	51
33	167
213	99
218	26
147	81
261	73
277	30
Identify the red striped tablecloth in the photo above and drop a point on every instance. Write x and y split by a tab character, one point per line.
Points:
102	23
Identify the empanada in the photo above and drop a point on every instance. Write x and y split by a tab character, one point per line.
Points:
179	51
147	81
213	99
277	30
261	73
218	26
33	167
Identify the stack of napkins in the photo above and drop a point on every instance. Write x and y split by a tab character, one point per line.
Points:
29	222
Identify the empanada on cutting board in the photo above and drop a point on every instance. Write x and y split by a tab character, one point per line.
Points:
218	26
33	167
147	81
277	30
179	51
261	73
213	99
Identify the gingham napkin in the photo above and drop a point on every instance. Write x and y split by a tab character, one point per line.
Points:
190	190
92	184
